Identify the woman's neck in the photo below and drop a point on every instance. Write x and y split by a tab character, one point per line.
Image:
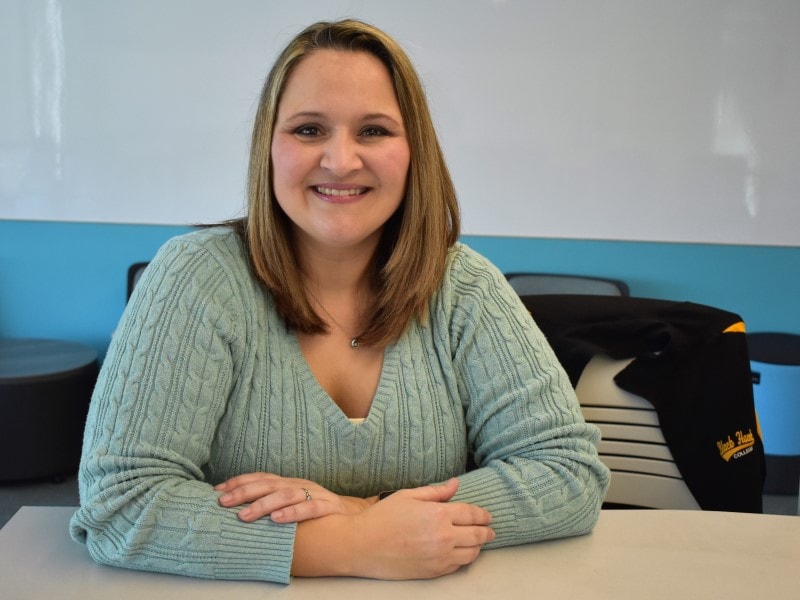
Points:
337	272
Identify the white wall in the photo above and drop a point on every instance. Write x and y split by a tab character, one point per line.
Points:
613	119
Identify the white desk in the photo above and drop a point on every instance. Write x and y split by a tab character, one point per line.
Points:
644	554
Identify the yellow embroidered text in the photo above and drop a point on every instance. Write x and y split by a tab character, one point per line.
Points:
736	449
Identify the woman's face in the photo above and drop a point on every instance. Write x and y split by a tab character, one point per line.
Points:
340	156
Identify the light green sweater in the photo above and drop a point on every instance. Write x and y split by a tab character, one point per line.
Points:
203	381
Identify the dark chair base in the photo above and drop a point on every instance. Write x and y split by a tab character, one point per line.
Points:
42	417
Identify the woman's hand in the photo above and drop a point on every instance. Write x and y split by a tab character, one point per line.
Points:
412	534
417	533
284	499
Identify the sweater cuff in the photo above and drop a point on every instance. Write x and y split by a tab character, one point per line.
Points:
261	550
483	488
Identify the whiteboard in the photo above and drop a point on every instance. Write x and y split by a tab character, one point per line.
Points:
615	119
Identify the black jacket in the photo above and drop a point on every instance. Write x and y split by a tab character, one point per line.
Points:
691	362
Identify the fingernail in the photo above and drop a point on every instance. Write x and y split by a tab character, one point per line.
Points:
244	514
278	515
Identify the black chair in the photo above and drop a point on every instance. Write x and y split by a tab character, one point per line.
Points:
527	284
134	273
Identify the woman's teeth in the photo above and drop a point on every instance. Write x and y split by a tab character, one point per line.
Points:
336	192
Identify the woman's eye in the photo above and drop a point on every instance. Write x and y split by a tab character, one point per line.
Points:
373	131
307	131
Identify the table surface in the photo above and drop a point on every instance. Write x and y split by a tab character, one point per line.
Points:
24	358
637	554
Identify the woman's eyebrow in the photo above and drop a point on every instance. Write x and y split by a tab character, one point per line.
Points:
379	116
305	114
313	114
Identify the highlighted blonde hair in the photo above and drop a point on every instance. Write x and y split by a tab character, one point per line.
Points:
410	259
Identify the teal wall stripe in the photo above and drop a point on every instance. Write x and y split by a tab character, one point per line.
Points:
67	280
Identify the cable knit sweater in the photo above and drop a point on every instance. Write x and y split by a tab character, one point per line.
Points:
203	381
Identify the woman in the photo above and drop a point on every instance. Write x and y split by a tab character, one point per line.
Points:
270	378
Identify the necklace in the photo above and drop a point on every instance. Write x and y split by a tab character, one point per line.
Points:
354	343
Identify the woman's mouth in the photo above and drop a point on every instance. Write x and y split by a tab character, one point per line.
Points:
339	192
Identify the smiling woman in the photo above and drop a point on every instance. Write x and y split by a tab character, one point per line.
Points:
416	236
273	377
340	153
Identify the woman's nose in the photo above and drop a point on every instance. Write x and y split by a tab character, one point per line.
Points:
341	155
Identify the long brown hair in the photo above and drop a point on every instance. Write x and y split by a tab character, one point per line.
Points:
409	262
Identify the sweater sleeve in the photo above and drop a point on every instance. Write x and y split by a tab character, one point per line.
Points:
159	398
538	469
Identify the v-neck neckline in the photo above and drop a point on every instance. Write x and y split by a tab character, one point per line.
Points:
332	412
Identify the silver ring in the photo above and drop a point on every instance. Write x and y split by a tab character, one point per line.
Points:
308	495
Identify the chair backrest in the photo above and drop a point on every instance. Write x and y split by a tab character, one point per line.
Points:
643	472
526	284
134	273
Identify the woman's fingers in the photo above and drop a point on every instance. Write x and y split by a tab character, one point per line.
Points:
283	505
441	492
266	493
283	499
469	514
465	556
473	536
246	488
460	513
295	513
